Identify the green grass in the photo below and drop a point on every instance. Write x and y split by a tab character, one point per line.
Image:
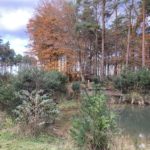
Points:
68	105
10	141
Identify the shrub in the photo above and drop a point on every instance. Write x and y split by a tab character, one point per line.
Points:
34	78
76	89
95	79
76	86
5	77
55	81
8	98
94	125
36	111
134	98
143	78
28	79
130	81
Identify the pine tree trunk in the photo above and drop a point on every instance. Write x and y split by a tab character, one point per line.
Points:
116	30
81	67
143	35
103	38
128	40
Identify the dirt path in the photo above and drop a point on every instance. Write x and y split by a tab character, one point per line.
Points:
63	124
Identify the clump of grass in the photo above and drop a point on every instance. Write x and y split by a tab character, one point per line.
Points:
68	105
126	142
11	141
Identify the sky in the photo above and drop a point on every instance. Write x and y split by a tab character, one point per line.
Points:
14	16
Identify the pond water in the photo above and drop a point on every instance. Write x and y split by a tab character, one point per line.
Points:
134	120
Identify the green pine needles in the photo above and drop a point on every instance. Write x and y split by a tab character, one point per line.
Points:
36	111
93	128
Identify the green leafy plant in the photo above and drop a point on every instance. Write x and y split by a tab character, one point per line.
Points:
93	127
36	111
133	81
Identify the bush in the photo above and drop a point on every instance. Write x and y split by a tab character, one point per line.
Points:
76	86
76	89
94	125
5	77
36	111
28	79
134	98
55	81
133	81
143	78
8	98
95	79
34	78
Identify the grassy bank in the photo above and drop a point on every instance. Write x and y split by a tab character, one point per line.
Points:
55	140
10	141
58	139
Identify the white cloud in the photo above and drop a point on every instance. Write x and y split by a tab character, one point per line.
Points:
15	19
18	44
14	16
27	1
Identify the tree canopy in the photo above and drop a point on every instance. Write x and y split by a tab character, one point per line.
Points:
91	37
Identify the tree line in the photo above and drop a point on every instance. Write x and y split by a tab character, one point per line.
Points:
10	61
91	37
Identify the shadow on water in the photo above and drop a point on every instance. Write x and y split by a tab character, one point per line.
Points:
134	120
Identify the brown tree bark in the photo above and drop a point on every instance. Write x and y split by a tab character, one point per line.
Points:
143	34
103	39
128	38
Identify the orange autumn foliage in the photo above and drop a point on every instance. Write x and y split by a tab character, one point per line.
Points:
50	35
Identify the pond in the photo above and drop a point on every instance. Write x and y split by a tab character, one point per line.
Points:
134	124
134	120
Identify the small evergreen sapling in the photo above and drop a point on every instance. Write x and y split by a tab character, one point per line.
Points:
36	110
